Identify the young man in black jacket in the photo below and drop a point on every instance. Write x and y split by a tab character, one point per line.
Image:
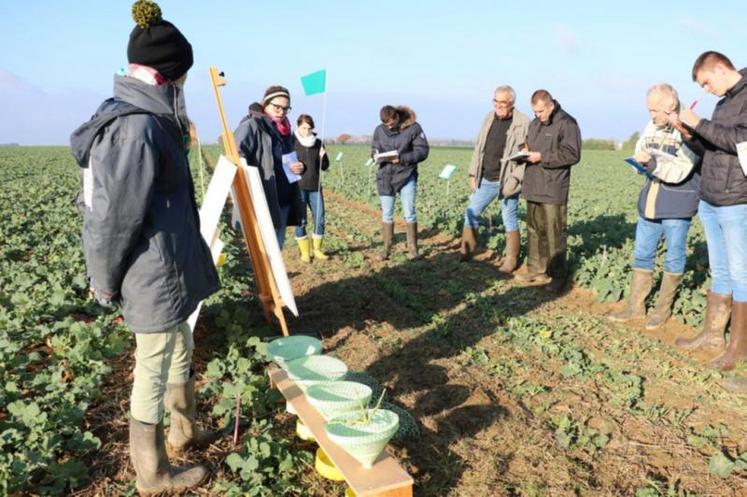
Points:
723	204
553	145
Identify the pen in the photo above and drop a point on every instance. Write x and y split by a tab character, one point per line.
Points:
692	105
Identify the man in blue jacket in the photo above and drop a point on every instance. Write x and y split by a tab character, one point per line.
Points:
142	242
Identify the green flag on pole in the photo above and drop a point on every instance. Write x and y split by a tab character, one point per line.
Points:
314	83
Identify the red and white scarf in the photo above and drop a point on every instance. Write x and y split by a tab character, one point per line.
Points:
146	74
283	125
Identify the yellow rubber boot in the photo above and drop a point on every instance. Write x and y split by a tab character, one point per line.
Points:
304	245
318	248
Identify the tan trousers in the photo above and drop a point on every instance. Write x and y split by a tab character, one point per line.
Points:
160	358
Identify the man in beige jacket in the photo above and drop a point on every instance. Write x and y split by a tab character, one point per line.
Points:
492	174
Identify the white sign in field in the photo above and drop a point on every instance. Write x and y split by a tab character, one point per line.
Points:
447	171
210	212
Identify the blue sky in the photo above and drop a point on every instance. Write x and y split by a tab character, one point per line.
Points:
442	58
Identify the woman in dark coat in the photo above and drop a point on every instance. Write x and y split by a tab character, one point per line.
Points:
265	140
312	154
403	144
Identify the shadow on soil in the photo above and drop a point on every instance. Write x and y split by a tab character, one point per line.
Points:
448	299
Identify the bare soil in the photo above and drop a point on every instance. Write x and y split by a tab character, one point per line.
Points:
448	340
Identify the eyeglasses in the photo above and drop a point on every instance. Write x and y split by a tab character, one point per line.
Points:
666	112
280	108
503	103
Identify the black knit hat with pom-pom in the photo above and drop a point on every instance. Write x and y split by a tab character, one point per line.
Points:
157	43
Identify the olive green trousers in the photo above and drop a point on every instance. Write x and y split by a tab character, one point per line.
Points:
160	359
546	239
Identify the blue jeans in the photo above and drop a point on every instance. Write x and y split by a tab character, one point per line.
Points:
482	197
315	201
407	195
280	230
647	236
726	235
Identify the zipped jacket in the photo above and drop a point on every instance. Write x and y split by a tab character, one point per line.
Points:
512	172
141	231
559	142
723	180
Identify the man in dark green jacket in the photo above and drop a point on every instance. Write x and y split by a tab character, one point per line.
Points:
553	146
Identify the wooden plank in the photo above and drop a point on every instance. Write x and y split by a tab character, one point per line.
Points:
385	479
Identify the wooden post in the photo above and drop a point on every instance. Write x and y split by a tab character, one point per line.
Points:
269	296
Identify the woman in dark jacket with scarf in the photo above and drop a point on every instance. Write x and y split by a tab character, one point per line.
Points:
401	136
264	138
312	154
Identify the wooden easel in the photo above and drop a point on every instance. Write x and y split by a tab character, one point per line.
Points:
269	296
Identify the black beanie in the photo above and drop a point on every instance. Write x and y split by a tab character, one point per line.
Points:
157	43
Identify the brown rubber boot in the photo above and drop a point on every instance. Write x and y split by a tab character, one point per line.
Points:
737	349
670	282
412	241
387	233
640	287
469	243
154	473
736	384
718	310
511	254
183	432
524	277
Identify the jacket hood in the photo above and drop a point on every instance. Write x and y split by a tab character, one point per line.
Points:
407	116
256	109
164	99
257	112
131	96
82	138
740	84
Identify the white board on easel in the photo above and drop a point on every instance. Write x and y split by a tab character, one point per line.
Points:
210	211
215	198
215	250
268	238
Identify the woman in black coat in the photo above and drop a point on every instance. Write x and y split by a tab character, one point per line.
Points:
311	153
265	140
